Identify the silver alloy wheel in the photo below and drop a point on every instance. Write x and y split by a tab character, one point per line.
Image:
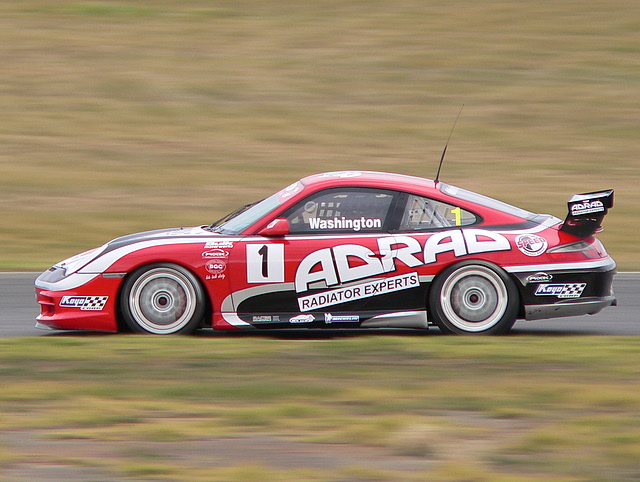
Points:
474	298
162	300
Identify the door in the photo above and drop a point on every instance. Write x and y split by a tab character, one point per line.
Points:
330	269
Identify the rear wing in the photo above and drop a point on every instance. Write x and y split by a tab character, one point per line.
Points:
586	212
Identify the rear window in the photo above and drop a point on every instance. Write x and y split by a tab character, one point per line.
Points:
422	213
476	198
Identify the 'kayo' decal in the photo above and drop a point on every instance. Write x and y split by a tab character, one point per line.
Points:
561	290
85	303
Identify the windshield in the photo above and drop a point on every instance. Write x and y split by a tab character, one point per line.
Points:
485	201
240	219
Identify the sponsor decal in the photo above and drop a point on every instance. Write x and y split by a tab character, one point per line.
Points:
587	207
561	290
216	266
261	319
539	278
266	319
216	263
531	244
290	190
183	231
327	268
215	254
344	223
342	174
85	303
329	318
302	319
359	291
218	244
334	266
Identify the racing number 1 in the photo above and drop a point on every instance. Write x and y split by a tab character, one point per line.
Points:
265	263
457	212
265	266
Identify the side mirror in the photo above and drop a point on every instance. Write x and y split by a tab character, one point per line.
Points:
277	227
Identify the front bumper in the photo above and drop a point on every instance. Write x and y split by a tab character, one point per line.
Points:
89	306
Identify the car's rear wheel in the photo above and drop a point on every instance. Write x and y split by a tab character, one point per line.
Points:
163	299
474	298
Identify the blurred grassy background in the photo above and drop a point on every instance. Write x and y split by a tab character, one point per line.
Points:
120	116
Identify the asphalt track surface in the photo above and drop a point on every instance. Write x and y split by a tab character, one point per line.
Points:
18	309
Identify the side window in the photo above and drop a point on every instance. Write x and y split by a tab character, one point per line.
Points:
341	211
422	213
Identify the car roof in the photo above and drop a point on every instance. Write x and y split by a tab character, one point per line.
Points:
488	208
386	180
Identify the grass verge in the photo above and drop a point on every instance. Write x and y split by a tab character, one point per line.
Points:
365	408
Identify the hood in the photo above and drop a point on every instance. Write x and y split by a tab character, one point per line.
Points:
124	245
171	233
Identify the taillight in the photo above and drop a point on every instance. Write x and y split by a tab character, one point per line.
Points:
579	250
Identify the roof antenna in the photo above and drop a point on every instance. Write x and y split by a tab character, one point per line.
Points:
447	145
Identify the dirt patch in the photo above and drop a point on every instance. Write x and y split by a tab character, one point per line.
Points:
419	450
36	458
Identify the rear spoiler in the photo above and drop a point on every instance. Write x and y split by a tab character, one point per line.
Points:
586	212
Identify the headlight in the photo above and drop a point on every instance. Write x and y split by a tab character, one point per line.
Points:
53	274
70	265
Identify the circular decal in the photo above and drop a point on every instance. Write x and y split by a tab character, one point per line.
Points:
216	266
531	244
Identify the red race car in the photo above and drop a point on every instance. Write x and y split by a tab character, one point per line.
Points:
343	250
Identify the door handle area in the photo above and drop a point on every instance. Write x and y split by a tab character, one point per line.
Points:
381	255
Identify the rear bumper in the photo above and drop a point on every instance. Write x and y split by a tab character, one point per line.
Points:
568	308
554	291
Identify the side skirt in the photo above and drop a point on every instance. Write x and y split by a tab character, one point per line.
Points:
403	319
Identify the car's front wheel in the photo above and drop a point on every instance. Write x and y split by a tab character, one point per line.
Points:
474	298
163	299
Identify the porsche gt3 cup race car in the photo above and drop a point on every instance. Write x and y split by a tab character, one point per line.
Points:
343	250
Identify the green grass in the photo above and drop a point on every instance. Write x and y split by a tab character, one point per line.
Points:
121	116
475	409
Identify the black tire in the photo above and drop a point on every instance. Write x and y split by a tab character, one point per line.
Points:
162	299
474	298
